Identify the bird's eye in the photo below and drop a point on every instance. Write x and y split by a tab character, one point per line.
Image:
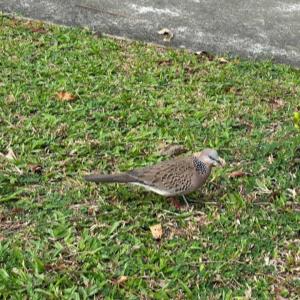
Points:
212	158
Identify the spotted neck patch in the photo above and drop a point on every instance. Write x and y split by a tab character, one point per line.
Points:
199	166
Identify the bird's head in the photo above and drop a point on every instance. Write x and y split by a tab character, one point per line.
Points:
210	157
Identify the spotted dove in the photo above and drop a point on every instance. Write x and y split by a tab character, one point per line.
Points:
173	177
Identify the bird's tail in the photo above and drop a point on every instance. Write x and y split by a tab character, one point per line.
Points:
121	178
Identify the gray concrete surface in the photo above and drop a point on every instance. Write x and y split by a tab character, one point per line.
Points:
249	28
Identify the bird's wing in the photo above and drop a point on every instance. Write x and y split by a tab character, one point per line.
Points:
173	175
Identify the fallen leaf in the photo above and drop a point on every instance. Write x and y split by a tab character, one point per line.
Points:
65	96
37	169
167	33
156	231
36	27
205	54
17	210
297	119
39	30
55	266
9	155
234	90
277	103
222	60
167	62
120	280
237	174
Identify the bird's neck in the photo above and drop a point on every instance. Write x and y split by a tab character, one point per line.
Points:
201	167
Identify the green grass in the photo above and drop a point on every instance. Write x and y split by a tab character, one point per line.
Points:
62	238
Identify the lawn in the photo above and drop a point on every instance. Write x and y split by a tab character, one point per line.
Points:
72	102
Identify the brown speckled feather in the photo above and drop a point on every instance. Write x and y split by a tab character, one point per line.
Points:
177	176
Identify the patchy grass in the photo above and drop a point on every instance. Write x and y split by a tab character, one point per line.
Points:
71	103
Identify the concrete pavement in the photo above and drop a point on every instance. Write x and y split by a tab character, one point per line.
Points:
249	28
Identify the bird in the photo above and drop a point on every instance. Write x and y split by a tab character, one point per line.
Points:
170	178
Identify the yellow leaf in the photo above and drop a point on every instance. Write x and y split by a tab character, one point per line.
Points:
297	119
222	60
65	96
120	280
156	231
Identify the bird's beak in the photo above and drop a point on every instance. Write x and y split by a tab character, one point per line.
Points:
221	162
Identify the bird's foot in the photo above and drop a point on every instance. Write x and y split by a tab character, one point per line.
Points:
187	204
177	204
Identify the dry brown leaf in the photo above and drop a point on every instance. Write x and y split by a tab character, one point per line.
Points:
39	30
167	62
37	169
234	90
120	280
156	231
60	265
205	54
65	96
237	174
167	33
17	210
277	103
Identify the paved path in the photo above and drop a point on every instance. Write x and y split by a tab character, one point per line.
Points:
249	28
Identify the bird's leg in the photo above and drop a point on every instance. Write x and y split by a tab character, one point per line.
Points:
187	204
175	202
